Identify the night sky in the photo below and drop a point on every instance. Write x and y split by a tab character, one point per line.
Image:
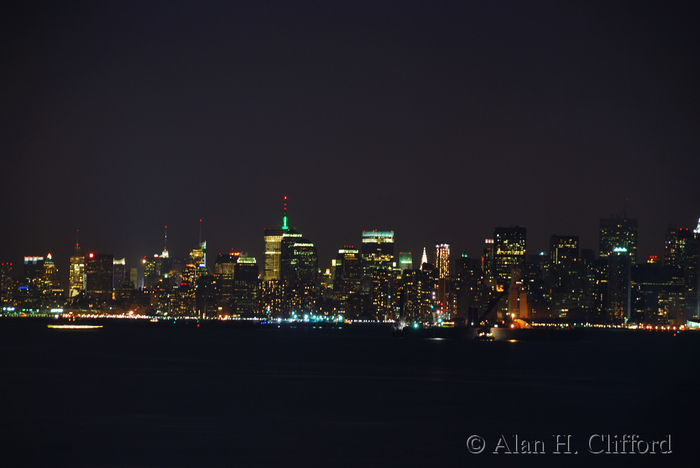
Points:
438	120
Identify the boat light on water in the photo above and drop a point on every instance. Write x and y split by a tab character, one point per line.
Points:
75	327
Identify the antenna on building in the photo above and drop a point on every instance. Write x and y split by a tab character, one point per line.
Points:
424	258
77	241
284	217
200	231
165	241
624	209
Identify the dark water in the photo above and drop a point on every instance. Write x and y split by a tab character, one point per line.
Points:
162	396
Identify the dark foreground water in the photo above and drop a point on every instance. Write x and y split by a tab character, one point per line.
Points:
168	396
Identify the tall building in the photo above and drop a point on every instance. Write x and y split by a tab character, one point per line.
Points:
564	278
99	269
671	247
273	248
347	281
6	283
273	253
377	250
245	286
378	272
224	269
563	250
442	260
196	265
76	275
424	258
508	252
442	265
405	261
291	275
299	271
618	232
33	268
50	284
619	285
487	263
119	273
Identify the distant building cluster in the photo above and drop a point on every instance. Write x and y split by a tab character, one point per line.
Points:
375	283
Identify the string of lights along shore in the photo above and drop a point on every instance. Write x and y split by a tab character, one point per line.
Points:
372	281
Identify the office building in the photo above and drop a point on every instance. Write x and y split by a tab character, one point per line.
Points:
618	232
508	252
99	269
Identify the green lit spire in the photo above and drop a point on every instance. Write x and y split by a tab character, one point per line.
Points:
284	218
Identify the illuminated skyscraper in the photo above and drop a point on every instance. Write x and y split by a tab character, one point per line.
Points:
618	232
49	278
377	249
442	265
405	261
442	260
619	291
378	271
273	252
119	273
299	270
33	268
76	275
291	277
508	251
273	248
671	247
224	269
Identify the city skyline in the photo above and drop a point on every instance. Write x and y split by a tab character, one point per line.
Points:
439	121
135	260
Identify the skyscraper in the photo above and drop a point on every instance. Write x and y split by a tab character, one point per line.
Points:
245	286
76	273
99	269
273	252
299	271
442	264
273	248
619	291
119	273
405	261
564	277
377	249
618	232
563	250
378	275
508	252
291	277
6	283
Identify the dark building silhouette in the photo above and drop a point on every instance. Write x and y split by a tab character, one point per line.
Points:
245	287
299	273
99	269
347	281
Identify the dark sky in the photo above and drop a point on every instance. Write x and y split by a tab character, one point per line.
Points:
439	120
